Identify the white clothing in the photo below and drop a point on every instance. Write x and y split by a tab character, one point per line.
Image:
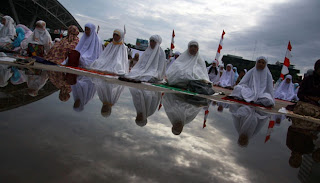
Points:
186	68
285	91
214	78
27	31
84	90
151	64
145	102
36	82
114	58
89	47
256	86
5	75
107	92
8	31
227	78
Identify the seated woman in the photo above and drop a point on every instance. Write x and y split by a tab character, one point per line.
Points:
39	37
227	78
256	86
221	70
241	74
8	31
188	66
213	73
89	46
285	91
236	75
60	50
146	103
114	58
309	104
152	64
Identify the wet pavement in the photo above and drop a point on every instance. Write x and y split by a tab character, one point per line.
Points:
95	131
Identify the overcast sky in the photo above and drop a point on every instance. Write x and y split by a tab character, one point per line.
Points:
252	27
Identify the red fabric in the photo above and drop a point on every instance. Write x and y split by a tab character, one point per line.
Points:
223	33
267	138
219	48
173	35
271	124
286	62
282	76
92	71
289	46
172	46
244	102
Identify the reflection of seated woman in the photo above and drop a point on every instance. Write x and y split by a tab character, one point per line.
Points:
146	103
256	86
189	66
108	94
308	94
5	75
179	111
58	80
36	81
247	121
83	91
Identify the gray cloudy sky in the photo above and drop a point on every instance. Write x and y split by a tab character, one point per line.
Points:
266	25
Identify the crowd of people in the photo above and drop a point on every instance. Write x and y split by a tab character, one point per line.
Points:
253	86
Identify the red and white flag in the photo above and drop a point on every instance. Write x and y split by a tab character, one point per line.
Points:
160	104
172	43
270	129
219	48
286	63
206	113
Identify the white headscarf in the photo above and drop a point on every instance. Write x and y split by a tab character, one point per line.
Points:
39	36
285	91
8	31
255	84
187	67
84	90
146	102
89	47
227	78
214	78
151	64
5	75
248	120
36	82
114	58
27	31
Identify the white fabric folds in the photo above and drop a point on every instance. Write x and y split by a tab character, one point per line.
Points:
8	31
213	76
227	78
285	91
186	68
114	58
256	85
89	47
151	64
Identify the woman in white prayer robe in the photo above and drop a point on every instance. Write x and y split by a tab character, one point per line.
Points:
248	121
114	58
83	91
221	70
213	72
179	111
40	36
36	82
108	94
5	75
256	86
285	90
152	64
189	66
146	103
227	78
8	31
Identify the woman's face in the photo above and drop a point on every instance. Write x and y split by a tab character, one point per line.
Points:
214	64
193	50
87	31
228	68
116	37
261	64
288	80
152	44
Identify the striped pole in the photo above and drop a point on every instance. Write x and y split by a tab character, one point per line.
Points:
286	63
219	48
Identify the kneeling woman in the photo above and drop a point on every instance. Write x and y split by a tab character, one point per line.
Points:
256	86
189	66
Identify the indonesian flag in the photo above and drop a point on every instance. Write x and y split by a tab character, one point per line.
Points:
286	63
172	43
219	48
160	104
270	129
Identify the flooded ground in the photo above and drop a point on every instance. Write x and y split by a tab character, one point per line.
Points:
111	133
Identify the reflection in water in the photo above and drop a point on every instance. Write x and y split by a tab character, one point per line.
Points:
146	103
36	80
5	74
248	122
182	109
108	94
58	79
83	91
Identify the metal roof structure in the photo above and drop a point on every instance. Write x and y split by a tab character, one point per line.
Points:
27	12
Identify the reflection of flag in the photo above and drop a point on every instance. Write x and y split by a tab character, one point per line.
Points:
270	129
160	105
219	48
206	113
172	43
286	63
